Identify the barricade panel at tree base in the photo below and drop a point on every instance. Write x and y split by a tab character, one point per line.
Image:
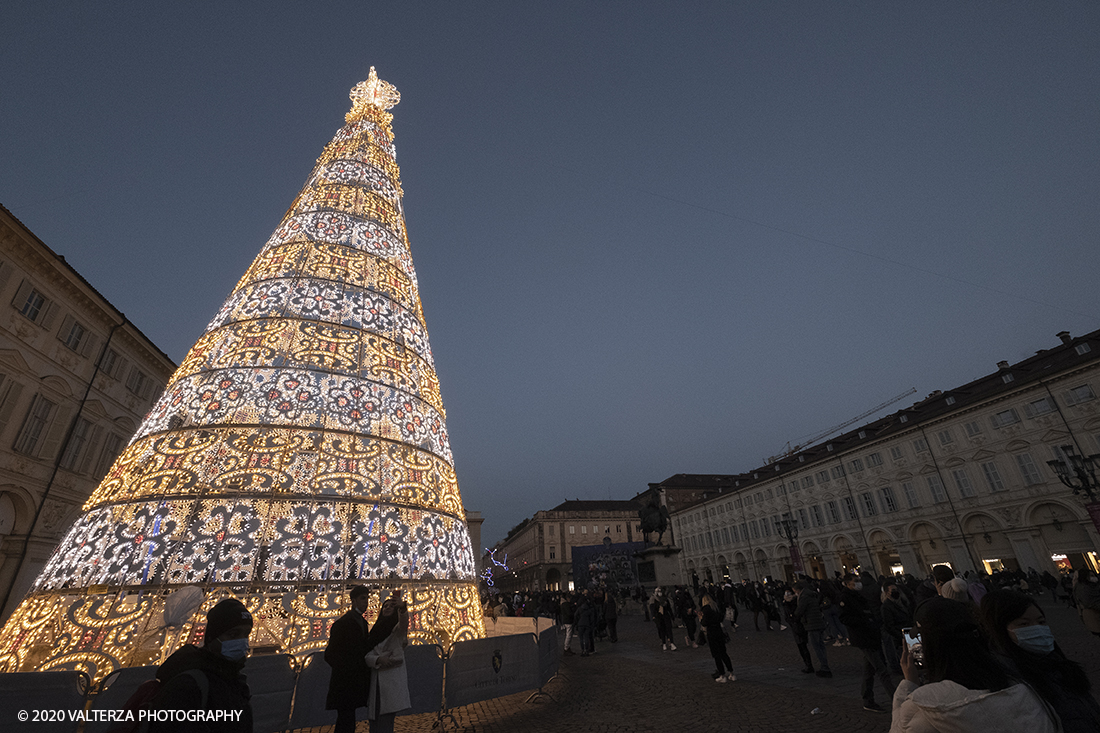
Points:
486	668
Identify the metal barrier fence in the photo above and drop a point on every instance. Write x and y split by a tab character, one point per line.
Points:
288	695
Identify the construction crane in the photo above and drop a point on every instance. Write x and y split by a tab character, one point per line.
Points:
791	449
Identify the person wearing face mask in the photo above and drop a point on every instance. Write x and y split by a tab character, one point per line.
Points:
896	615
965	690
863	631
1023	642
209	678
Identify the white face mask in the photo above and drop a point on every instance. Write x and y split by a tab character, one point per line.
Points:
858	585
235	648
1036	639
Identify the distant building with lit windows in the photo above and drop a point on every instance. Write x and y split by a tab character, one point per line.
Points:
961	477
539	549
76	377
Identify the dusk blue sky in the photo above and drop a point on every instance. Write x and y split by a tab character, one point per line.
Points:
651	238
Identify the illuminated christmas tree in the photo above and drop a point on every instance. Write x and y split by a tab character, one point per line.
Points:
300	448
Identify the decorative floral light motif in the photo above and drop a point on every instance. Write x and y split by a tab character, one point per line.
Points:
300	446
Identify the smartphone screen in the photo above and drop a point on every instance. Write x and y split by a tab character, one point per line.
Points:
912	640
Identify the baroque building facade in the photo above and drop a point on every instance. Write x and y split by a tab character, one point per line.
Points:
539	550
961	478
76	377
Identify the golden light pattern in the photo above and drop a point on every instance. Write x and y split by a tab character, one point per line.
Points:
300	448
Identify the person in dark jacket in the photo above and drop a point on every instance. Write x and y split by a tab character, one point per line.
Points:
209	678
350	638
568	610
611	616
863	632
660	611
808	614
1022	641
586	625
896	615
711	618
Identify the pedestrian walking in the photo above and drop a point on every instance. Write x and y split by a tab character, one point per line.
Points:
711	619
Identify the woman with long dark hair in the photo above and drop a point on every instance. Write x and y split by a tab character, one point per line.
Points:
1020	637
965	688
711	619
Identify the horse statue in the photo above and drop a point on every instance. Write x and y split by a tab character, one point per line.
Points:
654	518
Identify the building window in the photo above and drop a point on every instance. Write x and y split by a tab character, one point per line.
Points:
1006	378
1028	469
887	499
849	508
75	337
1041	406
945	437
139	383
755	529
618	529
939	495
823	477
911	497
1078	395
554	526
725	535
973	428
553	553
781	490
992	477
112	446
34	425
584	529
765	530
803	519
595	529
833	511
808	481
962	482
759	497
1005	417
895	453
869	508
748	500
733	534
78	443
768	494
710	540
919	445
745	531
572	529
837	472
856	464
1082	349
874	459
778	525
950	400
816	515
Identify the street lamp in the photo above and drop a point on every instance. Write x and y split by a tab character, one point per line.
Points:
790	528
1079	474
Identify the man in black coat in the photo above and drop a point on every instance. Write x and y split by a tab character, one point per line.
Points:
348	643
863	631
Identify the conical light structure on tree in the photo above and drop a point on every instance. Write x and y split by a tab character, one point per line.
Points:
300	448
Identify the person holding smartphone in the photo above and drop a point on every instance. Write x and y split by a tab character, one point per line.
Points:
389	690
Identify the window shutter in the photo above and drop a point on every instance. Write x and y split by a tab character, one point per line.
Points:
49	314
66	326
90	347
5	273
59	425
91	448
11	392
120	367
22	294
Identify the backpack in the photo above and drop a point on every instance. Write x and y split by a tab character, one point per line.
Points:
146	694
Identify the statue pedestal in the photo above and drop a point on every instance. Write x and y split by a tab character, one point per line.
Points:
659	565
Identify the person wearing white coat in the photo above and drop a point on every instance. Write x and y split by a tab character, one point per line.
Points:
389	687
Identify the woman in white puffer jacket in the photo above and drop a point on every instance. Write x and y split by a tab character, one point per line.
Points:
966	690
389	685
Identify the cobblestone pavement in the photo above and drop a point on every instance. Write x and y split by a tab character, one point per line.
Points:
634	686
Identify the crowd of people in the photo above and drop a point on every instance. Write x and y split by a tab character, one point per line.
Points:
972	652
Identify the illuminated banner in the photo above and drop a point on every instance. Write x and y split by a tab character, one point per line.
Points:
486	668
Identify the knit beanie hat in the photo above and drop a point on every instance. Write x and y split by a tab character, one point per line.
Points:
223	617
